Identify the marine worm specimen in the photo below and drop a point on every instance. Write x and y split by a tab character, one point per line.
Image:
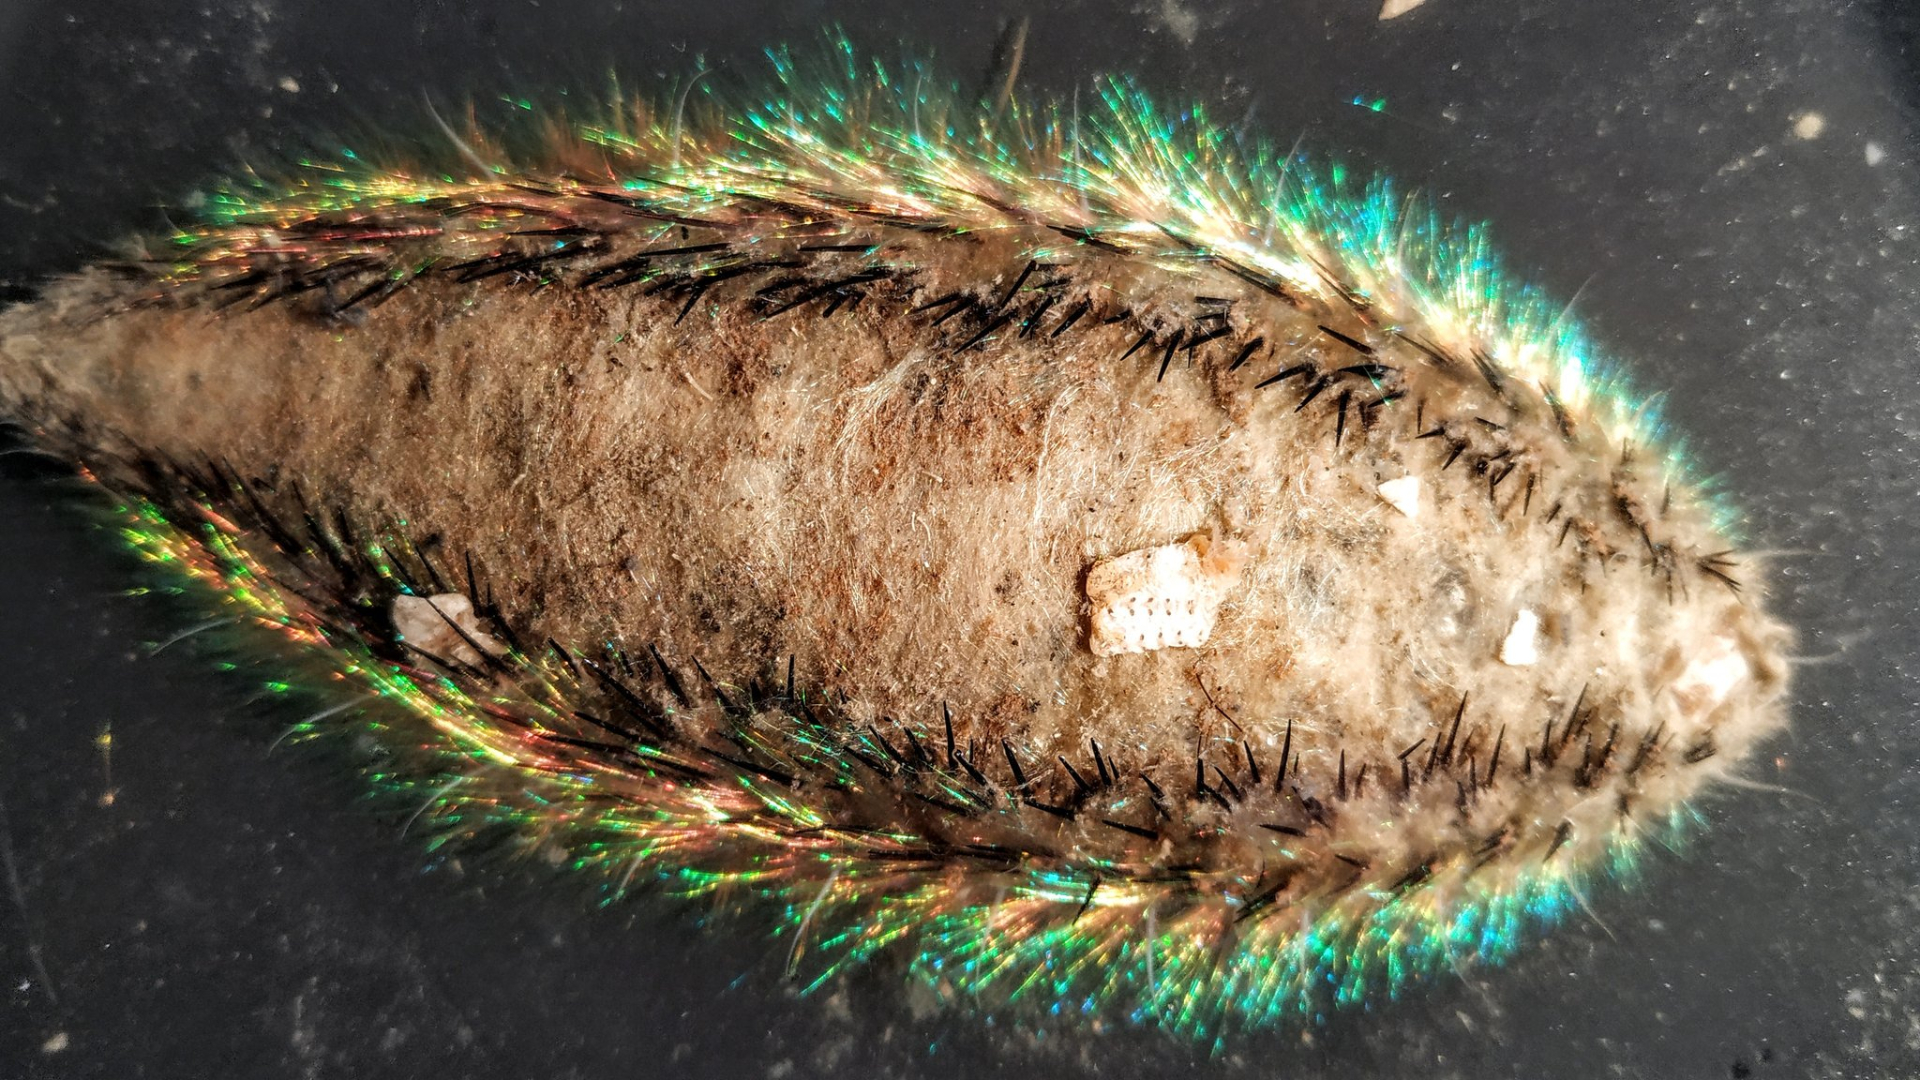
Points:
1099	563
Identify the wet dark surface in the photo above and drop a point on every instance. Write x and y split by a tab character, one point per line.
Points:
235	911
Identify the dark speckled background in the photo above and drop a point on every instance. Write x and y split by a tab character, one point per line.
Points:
236	913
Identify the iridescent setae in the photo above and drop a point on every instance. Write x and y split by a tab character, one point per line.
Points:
1106	564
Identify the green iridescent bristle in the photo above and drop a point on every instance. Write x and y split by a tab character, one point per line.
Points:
1042	943
903	145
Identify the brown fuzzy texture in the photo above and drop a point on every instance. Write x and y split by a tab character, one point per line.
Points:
912	513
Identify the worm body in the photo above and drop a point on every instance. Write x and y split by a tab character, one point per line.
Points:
1097	560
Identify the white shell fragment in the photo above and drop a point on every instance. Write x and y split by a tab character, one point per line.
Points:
1393	9
1161	597
429	624
1402	494
1710	676
1522	646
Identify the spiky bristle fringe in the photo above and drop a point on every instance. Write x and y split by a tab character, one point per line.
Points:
1040	878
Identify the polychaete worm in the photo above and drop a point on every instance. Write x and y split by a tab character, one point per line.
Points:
1082	556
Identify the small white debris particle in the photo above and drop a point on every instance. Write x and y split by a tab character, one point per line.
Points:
443	626
1402	494
290	84
55	1043
1875	154
1184	24
1712	674
1522	646
1393	9
1809	125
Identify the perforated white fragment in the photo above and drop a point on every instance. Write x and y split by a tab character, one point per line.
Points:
1161	597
